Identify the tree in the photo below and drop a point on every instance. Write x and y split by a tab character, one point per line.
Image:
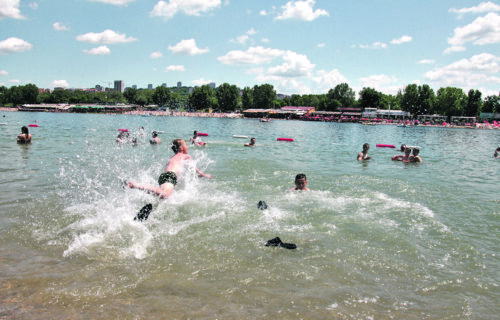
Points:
344	94
491	104
426	99
450	101
474	103
161	96
247	98
263	96
202	98
227	97
30	93
370	98
296	100
409	102
59	96
130	94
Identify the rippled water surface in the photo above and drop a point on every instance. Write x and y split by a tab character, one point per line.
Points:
375	240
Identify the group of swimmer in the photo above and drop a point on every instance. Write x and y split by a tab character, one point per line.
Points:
175	166
408	156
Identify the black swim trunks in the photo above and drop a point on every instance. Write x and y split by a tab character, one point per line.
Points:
169	177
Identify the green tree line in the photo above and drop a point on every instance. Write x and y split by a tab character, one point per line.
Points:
416	99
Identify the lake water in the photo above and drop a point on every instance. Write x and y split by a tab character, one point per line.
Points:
375	240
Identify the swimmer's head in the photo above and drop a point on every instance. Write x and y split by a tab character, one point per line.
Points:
179	145
366	147
195	133
416	151
300	181
25	130
403	147
407	151
154	134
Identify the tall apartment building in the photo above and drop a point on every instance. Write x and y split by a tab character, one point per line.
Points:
179	84
150	86
212	85
164	85
119	85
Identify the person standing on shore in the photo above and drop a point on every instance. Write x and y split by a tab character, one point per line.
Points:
25	136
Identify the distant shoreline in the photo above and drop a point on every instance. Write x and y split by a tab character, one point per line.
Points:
240	116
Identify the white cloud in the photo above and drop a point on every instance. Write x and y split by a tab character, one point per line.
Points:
251	31
33	5
10	9
479	69
175	68
189	7
115	2
60	84
99	51
294	65
426	61
481	8
13	45
321	45
401	40
201	82
156	55
3	73
265	40
483	30
253	55
59	26
374	46
241	39
187	46
329	79
263	12
301	10
105	37
14	81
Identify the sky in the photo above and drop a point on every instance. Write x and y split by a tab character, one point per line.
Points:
300	47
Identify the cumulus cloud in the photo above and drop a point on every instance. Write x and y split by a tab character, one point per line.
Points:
265	40
105	37
374	46
401	40
14	45
33	5
115	2
189	7
201	82
14	81
329	79
99	51
479	69
321	45
483	30
244	38
59	27
253	55
60	84
481	8
426	61
3	73
294	65
10	9
156	55
187	46
301	10
175	68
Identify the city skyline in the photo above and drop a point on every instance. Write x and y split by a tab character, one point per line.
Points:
300	47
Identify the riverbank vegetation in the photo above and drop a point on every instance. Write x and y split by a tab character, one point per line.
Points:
416	99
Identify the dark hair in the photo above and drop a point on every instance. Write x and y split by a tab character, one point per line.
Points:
155	134
403	147
195	132
300	176
176	145
366	146
25	130
498	149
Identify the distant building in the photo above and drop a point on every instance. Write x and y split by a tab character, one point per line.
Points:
99	88
164	85
119	85
150	86
212	85
179	84
134	86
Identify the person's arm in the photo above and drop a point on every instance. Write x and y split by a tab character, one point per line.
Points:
204	175
360	156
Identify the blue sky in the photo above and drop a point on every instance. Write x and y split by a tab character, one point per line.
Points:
306	46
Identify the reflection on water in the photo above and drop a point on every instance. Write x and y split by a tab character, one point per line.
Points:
376	239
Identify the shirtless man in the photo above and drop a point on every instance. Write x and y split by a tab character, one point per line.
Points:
415	157
363	155
251	143
154	138
300	183
168	179
406	157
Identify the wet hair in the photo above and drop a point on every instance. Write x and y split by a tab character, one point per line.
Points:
155	134
366	146
300	176
176	145
416	151
498	149
403	147
195	132
25	131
